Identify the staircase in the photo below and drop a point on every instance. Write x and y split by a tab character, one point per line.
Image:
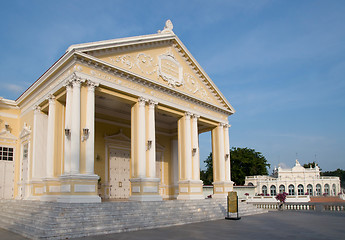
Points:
51	220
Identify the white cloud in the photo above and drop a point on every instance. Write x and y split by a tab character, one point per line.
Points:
14	88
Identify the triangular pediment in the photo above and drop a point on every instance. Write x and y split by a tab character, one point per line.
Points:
25	131
163	59
4	134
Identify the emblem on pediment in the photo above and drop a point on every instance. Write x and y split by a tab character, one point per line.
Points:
170	70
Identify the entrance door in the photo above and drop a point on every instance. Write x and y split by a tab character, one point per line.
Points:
119	174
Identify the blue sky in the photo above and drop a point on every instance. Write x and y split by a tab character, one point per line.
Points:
281	64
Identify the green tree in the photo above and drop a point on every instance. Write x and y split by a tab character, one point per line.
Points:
207	175
338	173
312	164
244	162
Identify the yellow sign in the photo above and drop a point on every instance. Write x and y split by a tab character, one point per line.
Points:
232	202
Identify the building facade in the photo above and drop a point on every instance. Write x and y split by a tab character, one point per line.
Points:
297	181
116	119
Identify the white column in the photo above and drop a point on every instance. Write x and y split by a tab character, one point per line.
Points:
90	124
68	121
75	127
37	110
227	153
188	146
141	138
50	137
195	150
221	153
152	137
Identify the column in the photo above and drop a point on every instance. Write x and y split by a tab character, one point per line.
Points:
221	161
227	153
75	127
144	184
190	187
50	138
188	146
90	124
68	121
152	139
141	138
195	149
35	146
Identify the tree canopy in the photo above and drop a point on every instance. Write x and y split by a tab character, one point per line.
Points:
244	162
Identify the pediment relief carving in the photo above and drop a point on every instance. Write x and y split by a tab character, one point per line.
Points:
166	66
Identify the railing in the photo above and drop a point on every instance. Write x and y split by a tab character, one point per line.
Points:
336	207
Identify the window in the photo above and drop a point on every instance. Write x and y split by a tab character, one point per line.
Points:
281	188
291	189
264	190
318	190
326	189
250	184
6	153
273	190
334	190
25	151
300	189
310	190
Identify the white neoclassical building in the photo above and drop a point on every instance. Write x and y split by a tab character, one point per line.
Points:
297	181
115	119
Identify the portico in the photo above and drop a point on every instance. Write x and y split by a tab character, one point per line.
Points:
121	119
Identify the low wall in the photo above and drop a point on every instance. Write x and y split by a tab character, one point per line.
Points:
271	199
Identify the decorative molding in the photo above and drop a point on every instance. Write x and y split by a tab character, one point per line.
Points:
168	28
170	70
26	131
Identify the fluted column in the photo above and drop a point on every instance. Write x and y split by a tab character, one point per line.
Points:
75	127
50	137
90	124
68	121
195	150
152	139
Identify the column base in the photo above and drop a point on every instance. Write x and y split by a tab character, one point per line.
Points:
145	189
51	189
79	188
190	189
221	189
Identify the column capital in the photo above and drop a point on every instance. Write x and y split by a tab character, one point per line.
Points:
188	114
36	109
51	98
152	103
142	101
91	85
195	116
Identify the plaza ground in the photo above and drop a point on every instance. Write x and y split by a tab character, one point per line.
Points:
272	225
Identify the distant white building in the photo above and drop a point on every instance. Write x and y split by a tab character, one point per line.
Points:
295	181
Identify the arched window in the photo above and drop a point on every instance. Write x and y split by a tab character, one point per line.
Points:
250	184
310	189
291	189
318	189
334	190
326	189
264	190
273	190
300	189
281	188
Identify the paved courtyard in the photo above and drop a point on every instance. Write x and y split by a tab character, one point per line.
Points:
273	225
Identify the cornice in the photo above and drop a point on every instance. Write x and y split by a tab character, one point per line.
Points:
120	72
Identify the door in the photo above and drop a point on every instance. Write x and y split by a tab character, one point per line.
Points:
119	174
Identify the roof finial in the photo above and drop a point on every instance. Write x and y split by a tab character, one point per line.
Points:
168	28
